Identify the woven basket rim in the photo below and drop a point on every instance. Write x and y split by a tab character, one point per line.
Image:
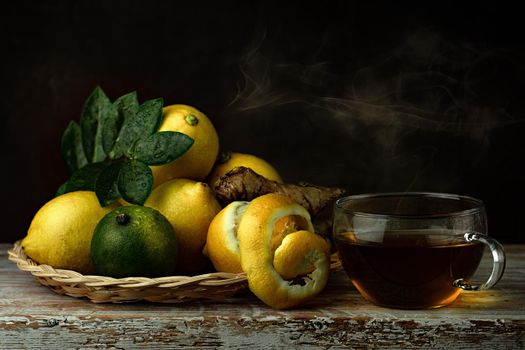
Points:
17	255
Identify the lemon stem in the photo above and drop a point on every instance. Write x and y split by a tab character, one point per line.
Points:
122	219
192	120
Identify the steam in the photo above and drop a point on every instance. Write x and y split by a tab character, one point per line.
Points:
396	114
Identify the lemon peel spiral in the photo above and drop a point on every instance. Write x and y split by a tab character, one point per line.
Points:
299	267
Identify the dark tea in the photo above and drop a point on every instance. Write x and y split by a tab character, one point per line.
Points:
409	269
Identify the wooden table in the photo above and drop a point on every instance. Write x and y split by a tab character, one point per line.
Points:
33	316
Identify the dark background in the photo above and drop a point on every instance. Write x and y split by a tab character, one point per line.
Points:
369	96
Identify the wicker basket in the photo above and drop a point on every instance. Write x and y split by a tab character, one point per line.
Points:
102	289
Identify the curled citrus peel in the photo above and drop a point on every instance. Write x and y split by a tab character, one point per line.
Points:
298	268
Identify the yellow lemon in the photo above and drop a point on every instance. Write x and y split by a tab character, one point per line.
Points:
232	160
61	231
197	162
190	207
222	246
298	268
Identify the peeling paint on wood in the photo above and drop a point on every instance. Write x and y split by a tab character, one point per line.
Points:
32	316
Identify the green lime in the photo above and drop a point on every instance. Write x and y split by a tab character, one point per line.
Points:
134	241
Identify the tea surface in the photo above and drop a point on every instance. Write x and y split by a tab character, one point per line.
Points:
409	268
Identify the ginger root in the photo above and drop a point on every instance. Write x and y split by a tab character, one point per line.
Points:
243	184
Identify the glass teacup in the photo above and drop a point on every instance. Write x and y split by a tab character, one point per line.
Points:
413	250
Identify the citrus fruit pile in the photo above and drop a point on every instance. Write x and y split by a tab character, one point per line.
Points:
151	209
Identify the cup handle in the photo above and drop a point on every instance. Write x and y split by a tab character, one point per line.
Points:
498	266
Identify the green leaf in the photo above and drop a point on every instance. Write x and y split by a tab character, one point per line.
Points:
109	127
149	115
106	185
71	148
161	147
135	181
97	108
83	179
127	106
61	190
144	123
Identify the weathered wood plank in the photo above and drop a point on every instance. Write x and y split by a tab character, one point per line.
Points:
32	316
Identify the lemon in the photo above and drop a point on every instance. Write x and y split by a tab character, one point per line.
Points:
197	162
134	241
232	160
61	231
222	246
189	206
274	263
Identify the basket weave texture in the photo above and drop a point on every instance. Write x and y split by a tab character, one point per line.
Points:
102	289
